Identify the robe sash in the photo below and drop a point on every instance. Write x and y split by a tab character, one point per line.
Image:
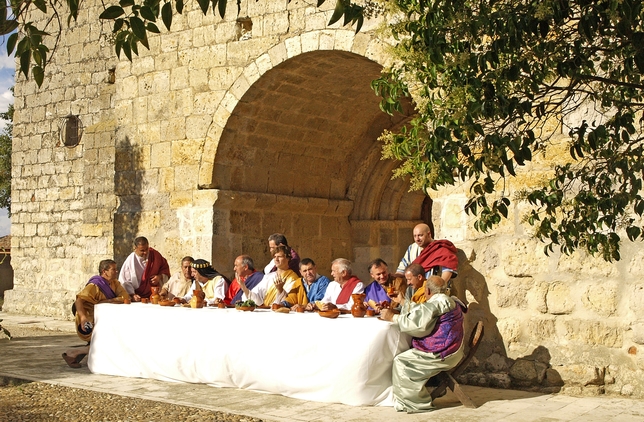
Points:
103	285
347	289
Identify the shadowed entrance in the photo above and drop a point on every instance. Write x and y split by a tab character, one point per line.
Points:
300	155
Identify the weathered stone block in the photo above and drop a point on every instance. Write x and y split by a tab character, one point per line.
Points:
601	299
558	299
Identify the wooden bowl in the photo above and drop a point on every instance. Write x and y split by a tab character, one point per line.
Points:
333	313
167	303
245	308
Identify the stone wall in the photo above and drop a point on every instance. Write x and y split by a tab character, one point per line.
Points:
216	137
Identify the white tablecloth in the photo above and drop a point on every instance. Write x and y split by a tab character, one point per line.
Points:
345	360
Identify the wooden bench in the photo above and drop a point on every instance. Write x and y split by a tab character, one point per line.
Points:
447	379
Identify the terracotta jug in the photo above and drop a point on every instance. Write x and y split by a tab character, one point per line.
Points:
197	299
358	309
154	296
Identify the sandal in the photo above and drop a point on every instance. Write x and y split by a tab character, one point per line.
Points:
73	362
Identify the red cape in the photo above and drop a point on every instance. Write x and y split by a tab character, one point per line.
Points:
156	265
439	252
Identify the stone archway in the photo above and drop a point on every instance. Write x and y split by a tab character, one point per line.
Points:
299	154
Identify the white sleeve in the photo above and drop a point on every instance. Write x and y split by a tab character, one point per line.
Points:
220	289
405	261
188	295
258	292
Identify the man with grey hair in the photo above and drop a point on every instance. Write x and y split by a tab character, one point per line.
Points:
245	271
436	327
344	284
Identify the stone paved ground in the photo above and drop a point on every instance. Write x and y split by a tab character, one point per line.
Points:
37	358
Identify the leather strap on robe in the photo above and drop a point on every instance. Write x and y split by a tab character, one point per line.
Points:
156	265
347	289
438	253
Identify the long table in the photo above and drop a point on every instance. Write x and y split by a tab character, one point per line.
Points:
302	355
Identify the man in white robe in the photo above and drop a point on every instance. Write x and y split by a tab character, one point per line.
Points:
338	292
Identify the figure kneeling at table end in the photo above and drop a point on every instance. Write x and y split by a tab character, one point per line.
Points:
437	345
103	288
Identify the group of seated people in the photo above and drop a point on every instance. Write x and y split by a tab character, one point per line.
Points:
291	282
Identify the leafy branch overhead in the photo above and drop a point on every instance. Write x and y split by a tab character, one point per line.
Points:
133	21
500	83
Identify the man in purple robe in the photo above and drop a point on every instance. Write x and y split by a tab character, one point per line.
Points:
103	288
376	293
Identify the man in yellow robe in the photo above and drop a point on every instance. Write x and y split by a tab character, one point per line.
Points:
283	286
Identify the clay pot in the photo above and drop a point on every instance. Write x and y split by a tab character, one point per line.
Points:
127	301
176	300
299	309
275	306
358	309
145	300
221	305
154	299
371	312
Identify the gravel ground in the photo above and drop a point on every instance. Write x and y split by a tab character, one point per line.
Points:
37	401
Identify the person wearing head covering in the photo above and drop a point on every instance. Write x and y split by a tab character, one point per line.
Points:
213	284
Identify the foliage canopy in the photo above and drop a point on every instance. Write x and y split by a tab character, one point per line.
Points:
497	82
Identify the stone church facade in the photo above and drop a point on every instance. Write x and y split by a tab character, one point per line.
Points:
226	131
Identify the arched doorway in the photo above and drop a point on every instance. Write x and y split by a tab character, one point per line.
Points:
299	155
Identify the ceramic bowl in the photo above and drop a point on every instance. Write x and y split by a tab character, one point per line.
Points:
245	308
333	313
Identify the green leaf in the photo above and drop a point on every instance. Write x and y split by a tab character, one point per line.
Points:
11	43
8	26
337	13
222	8
147	13
166	15
118	24
180	6
127	49
204	4
25	61
38	74
150	27
138	27
112	12
42	6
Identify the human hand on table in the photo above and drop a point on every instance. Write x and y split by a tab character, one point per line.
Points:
328	306
387	314
310	307
136	298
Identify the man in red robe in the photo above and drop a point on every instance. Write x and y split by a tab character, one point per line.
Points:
143	269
